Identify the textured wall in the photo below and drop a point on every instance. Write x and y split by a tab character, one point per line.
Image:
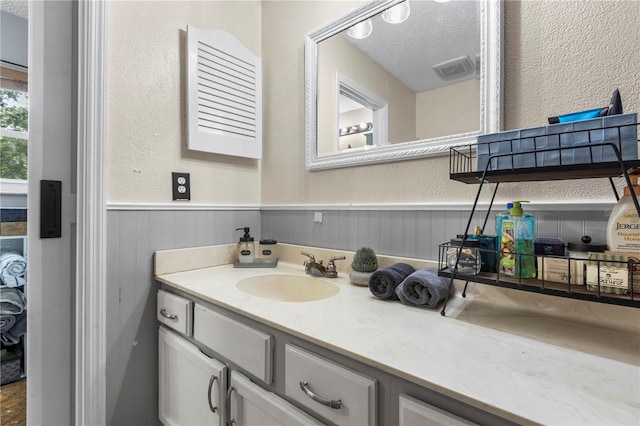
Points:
146	110
434	108
559	57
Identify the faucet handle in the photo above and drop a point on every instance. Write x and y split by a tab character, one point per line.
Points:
309	255
331	259
332	272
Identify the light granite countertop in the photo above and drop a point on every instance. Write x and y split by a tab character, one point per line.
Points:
526	357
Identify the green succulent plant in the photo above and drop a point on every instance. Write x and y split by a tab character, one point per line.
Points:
365	260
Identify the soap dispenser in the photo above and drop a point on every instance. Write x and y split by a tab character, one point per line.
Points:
246	247
516	243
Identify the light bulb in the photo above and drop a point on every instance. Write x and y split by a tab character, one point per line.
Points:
397	14
361	30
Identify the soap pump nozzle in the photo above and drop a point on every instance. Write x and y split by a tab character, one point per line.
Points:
635	187
516	210
246	237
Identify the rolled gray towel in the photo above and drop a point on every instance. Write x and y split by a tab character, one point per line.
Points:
423	288
384	281
18	330
6	322
12	301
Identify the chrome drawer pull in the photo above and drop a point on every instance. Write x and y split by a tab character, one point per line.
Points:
328	402
172	317
230	421
211	380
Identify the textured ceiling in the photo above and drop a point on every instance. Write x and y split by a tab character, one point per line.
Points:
435	32
15	7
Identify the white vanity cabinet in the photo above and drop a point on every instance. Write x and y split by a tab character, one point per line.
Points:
414	412
276	378
192	386
251	405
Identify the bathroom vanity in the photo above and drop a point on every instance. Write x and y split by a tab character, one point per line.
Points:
229	354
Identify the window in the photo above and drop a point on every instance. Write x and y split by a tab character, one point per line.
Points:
14	125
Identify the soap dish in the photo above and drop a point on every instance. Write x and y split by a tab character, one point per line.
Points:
257	263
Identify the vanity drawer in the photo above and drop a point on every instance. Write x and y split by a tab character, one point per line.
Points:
335	392
175	312
249	349
415	412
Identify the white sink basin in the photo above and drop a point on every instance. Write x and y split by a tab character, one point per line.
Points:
288	288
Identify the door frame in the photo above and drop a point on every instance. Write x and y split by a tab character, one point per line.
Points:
80	377
90	338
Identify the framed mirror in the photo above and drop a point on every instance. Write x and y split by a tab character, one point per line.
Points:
402	79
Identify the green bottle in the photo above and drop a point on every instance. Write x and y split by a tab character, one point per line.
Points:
516	244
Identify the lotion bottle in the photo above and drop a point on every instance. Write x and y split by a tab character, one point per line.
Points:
623	227
246	247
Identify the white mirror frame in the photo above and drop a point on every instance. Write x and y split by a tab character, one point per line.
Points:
490	92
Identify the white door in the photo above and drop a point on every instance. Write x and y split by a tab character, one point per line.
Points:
191	385
252	405
50	269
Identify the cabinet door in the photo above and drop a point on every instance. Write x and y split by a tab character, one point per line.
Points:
191	385
414	412
252	405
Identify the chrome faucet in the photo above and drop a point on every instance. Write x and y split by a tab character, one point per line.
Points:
317	268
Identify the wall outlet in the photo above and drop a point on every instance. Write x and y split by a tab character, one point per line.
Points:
317	217
181	186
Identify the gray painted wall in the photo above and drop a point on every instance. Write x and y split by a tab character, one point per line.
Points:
132	332
13	39
13	200
133	236
413	233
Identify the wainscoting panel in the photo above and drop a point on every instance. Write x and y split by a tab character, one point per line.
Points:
134	235
413	232
132	332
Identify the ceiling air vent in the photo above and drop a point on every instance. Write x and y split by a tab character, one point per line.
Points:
455	68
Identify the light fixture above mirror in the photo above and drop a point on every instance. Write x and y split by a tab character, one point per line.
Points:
398	13
481	80
361	30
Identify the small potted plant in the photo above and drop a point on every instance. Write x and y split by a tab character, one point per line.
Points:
363	265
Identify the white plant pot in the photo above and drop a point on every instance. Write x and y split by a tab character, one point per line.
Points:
360	278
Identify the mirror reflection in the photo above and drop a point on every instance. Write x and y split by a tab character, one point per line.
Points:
427	73
420	60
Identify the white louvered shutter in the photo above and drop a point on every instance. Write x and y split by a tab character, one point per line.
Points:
224	95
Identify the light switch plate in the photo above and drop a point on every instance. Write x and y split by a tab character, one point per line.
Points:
181	186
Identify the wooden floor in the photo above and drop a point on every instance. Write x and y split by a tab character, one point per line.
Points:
13	403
